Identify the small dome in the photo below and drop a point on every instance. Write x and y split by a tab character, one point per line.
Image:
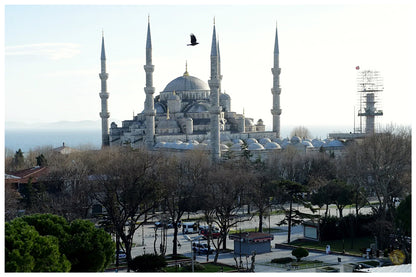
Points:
272	145
285	143
174	97
264	141
223	147
186	83
201	146
224	96
317	143
307	143
255	146
236	147
249	122
239	141
334	143
295	139
251	140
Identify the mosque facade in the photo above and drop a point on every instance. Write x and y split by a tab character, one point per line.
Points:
187	110
192	114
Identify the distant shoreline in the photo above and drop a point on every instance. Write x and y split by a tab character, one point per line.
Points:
30	139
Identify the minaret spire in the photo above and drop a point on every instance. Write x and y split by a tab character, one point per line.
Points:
276	111
215	110
104	114
149	109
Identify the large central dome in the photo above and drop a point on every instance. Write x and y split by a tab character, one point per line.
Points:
186	83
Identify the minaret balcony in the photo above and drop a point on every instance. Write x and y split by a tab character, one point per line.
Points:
104	95
103	76
104	114
149	90
276	111
149	68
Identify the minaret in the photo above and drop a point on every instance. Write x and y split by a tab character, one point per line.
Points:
104	114
149	110
215	110
276	111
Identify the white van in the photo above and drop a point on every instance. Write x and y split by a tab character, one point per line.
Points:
189	227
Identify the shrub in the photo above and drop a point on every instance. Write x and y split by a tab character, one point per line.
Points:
197	267
300	253
148	263
284	260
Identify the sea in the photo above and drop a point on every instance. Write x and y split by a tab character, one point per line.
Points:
30	139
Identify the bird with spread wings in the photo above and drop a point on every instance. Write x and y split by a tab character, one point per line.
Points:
193	40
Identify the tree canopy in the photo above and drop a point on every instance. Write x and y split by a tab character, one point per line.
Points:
49	243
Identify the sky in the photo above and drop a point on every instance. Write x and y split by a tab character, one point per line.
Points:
52	57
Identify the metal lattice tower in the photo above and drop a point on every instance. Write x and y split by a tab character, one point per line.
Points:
369	87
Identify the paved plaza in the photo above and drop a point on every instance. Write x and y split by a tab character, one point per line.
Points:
262	261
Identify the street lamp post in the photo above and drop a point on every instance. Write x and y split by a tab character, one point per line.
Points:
191	240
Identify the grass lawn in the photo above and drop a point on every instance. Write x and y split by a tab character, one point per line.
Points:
207	267
336	245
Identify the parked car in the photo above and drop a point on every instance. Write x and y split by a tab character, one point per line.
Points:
204	230
121	254
168	224
201	248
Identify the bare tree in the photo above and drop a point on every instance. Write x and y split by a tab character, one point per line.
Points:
301	131
228	184
179	177
381	164
125	185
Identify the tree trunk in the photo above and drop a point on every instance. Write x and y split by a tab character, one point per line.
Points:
175	239
261	221
289	227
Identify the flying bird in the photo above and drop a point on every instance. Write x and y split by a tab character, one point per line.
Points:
193	40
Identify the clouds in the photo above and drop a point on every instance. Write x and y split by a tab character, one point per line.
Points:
51	51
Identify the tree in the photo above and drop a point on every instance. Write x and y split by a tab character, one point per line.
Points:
381	164
28	251
125	184
227	185
339	194
148	263
18	160
11	198
87	248
300	131
263	191
403	218
179	178
300	253
68	186
292	192
41	160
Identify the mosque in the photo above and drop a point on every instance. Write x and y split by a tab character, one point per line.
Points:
192	114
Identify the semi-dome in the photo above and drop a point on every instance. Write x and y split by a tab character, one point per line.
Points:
186	83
